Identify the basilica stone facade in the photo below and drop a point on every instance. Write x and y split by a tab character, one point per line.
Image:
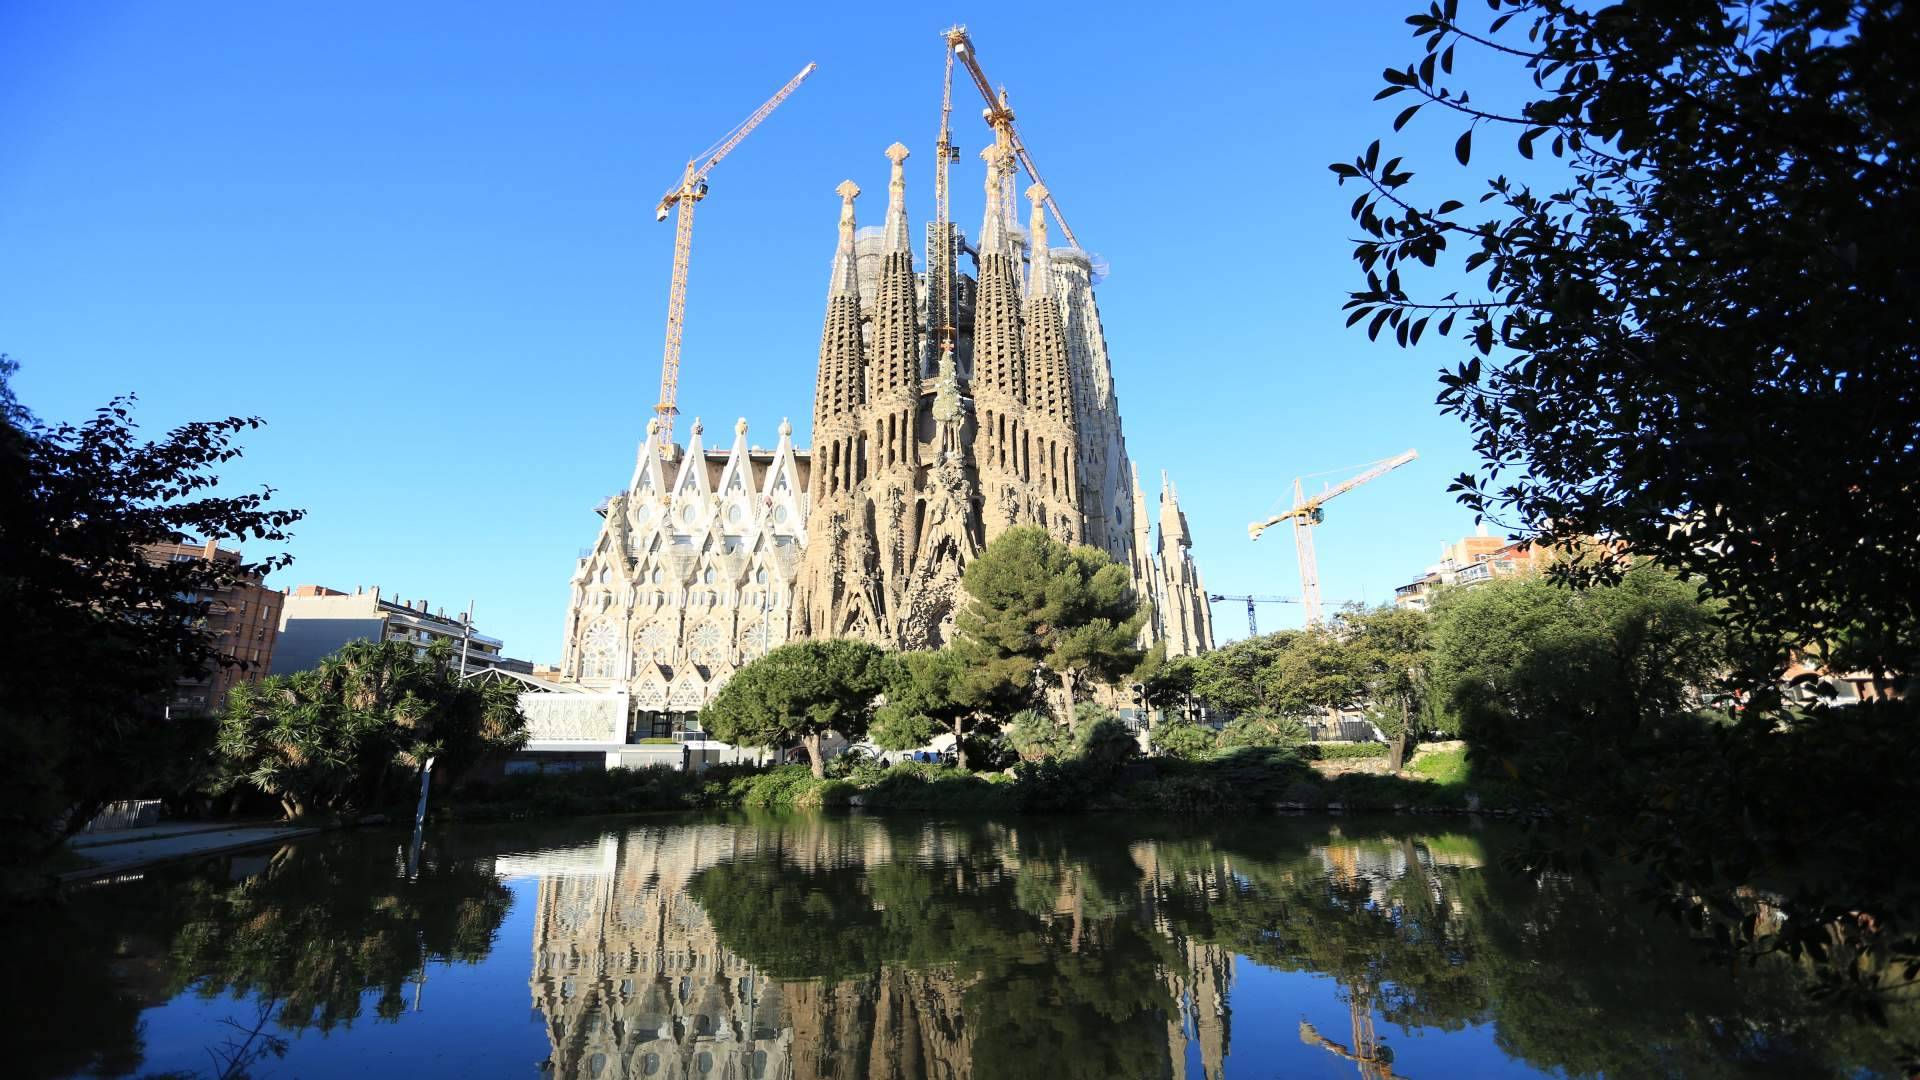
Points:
948	407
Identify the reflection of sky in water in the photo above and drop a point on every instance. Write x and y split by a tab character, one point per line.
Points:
473	1021
864	946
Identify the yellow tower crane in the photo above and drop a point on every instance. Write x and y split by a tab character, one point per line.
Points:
1306	513
691	189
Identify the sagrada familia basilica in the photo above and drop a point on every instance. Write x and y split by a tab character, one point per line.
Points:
934	430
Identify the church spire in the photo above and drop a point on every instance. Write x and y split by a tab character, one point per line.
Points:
993	226
1049	394
896	315
896	238
999	362
839	390
1039	263
846	279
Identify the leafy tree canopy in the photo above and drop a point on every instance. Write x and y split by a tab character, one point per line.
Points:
83	693
346	733
1696	333
933	692
1386	651
1182	739
1524	661
1037	602
798	693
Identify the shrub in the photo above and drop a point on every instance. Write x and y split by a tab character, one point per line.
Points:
1264	728
1180	739
989	754
1054	786
780	786
913	785
1346	751
1102	742
1034	736
1191	793
614	791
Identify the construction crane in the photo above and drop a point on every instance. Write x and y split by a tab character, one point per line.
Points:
1253	625
1000	117
942	271
1374	1057
1306	513
691	189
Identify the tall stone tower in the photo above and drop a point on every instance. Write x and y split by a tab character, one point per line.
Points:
921	455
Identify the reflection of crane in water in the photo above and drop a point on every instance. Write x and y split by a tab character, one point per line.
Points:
1374	1057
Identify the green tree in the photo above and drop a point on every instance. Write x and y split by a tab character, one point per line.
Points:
1101	740
1166	682
936	691
344	734
1035	736
105	635
1037	603
1697	335
798	693
1387	649
1532	669
1181	739
1229	680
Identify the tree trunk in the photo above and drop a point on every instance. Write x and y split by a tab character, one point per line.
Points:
960	745
812	743
1066	686
1403	742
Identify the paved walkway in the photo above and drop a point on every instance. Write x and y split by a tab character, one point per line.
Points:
125	850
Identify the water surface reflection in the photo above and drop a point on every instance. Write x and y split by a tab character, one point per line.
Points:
819	947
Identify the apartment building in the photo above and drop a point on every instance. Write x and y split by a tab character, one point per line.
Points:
244	619
315	621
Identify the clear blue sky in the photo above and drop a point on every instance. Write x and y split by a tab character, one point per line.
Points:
418	240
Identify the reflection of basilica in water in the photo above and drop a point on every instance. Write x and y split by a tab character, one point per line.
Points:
634	981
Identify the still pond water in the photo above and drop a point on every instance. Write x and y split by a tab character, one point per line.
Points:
745	947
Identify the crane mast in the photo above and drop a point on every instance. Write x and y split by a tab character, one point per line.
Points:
1000	116
682	198
942	269
1306	513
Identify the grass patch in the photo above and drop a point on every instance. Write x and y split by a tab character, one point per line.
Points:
1441	766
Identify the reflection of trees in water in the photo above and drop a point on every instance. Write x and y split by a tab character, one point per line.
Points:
898	948
319	926
327	924
1080	949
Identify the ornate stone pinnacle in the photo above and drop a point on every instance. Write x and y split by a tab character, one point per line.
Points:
1036	193
848	191
786	427
740	426
896	231
698	427
653	425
